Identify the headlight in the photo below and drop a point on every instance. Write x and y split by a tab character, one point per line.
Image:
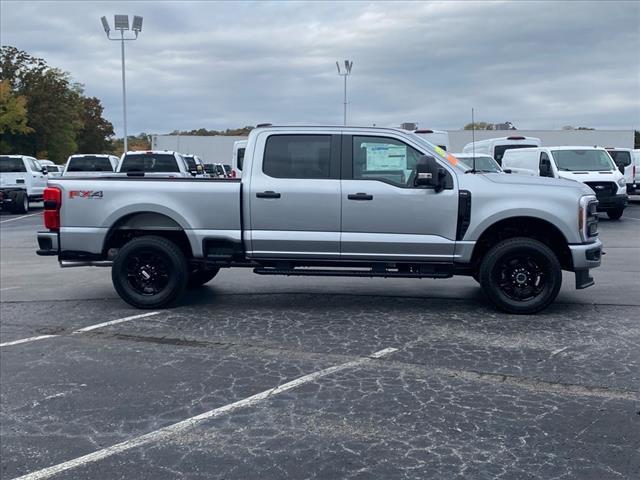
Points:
588	217
622	182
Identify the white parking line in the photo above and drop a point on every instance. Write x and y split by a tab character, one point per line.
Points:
7	288
189	423
18	218
81	330
25	340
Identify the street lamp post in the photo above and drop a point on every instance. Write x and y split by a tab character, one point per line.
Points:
348	64
121	22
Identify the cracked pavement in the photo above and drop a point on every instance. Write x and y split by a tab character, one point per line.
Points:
469	393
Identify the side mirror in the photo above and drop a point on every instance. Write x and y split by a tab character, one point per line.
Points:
44	170
545	169
507	170
429	174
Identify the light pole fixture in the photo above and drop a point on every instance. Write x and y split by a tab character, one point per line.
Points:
121	22
348	64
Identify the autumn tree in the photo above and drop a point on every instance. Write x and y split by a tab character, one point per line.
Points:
96	132
13	115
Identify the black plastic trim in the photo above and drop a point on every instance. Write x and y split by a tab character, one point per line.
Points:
464	213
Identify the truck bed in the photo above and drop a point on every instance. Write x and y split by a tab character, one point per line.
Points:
201	207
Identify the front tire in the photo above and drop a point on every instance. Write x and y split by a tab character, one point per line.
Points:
150	272
21	202
197	278
521	275
615	214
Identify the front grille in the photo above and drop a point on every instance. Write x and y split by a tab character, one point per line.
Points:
603	189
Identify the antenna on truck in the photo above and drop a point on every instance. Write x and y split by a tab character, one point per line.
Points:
473	141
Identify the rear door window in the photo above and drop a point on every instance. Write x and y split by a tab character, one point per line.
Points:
89	164
12	165
298	156
149	162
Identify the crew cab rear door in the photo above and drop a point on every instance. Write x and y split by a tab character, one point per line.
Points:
384	217
294	196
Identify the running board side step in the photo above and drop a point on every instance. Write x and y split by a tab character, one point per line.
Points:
350	273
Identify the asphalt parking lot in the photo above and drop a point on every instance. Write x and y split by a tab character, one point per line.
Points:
260	377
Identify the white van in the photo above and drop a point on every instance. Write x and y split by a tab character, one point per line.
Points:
439	138
237	160
623	158
592	166
483	163
636	158
81	165
497	146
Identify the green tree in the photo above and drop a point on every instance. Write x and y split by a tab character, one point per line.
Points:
96	132
13	115
479	126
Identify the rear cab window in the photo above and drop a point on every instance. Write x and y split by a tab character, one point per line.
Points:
12	165
90	163
150	162
298	156
240	157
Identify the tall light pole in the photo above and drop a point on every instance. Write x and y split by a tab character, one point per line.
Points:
348	64
121	22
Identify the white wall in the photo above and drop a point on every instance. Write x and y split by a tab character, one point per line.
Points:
211	149
603	138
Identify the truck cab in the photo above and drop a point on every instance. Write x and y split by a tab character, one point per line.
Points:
22	180
156	163
237	159
90	164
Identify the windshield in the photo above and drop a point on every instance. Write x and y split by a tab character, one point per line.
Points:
483	164
190	161
11	165
621	157
582	160
149	162
89	164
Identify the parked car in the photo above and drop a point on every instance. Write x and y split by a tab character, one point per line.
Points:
237	159
592	166
496	147
22	179
156	163
636	157
331	201
439	138
53	170
91	164
195	164
483	163
623	158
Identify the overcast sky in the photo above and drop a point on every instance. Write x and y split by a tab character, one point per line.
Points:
224	65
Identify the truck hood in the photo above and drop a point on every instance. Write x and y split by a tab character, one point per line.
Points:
515	179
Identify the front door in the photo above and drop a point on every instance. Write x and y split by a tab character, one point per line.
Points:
383	215
295	197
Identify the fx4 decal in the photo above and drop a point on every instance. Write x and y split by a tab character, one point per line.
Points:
95	194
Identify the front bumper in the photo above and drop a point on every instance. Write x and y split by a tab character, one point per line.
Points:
48	244
613	202
585	256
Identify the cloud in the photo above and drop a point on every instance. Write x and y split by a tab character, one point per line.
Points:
220	65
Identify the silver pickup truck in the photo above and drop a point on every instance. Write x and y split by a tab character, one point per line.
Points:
330	201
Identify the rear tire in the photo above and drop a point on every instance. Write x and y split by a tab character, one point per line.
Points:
21	202
150	272
615	214
197	278
521	275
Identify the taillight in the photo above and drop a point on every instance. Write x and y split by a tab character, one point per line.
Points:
52	204
233	174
